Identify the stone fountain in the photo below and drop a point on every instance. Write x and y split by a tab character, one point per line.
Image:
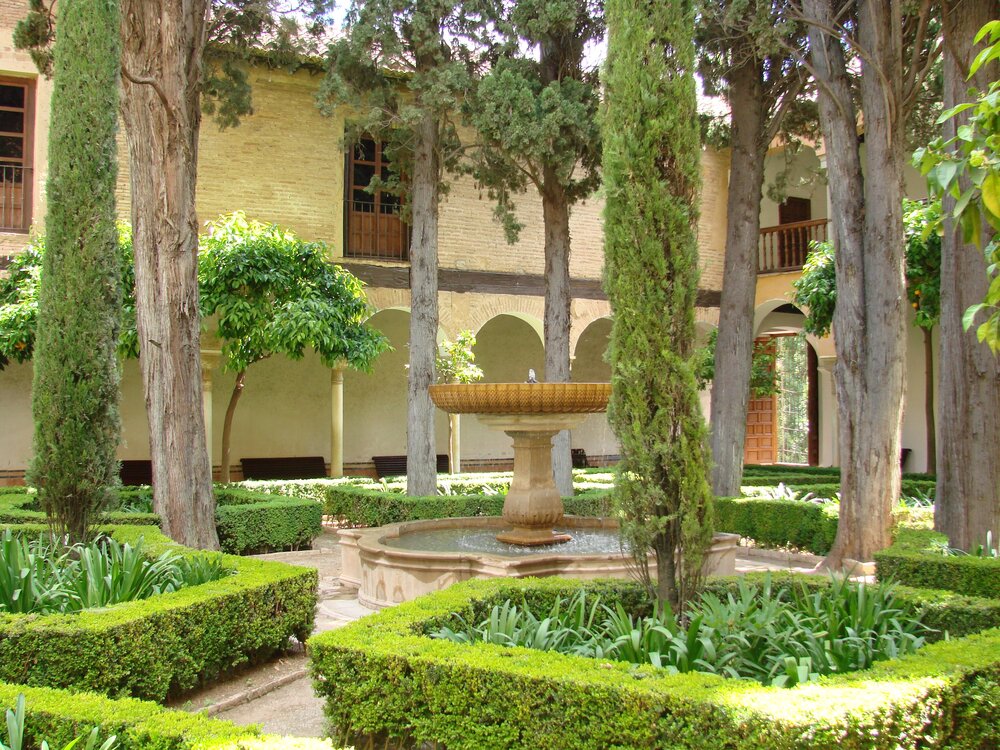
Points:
401	561
531	414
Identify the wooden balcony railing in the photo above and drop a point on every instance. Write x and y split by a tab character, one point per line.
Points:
785	247
15	198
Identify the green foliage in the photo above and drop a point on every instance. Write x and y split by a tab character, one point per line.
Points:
535	115
816	288
763	376
922	227
76	377
457	361
19	300
361	502
275	32
19	305
385	674
43	576
779	636
249	523
273	293
967	167
15	733
779	523
166	644
396	63
59	716
651	148
918	557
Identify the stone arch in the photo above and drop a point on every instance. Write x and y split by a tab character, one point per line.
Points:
484	308
780	315
507	345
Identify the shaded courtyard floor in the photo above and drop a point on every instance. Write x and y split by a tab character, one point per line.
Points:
279	696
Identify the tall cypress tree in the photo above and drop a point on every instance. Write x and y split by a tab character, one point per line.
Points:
651	177
75	394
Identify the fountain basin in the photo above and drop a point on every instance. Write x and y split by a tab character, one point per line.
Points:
521	398
386	572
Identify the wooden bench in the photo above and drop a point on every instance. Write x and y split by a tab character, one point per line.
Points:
395	466
134	472
285	467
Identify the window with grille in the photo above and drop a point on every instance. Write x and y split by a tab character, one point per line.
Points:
16	116
374	227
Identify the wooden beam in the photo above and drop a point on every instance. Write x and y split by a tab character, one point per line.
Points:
492	282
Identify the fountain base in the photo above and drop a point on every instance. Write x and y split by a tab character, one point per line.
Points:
527	537
388	569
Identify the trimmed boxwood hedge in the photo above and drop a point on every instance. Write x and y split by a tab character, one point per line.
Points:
381	674
912	560
364	503
167	644
58	716
247	522
250	522
22	507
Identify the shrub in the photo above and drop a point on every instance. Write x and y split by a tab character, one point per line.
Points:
247	522
917	558
59	716
779	523
382	674
251	522
166	644
23	507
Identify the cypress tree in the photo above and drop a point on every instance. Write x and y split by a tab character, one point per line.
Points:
75	393
651	172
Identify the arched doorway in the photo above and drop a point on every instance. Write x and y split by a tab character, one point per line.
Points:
784	408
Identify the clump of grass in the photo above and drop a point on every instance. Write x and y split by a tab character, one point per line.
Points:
779	636
45	574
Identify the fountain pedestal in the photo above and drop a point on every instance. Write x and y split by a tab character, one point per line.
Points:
533	505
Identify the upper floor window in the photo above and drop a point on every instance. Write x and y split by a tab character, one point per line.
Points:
16	120
374	228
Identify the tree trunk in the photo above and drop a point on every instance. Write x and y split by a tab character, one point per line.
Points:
734	346
162	60
968	479
421	464
929	419
555	213
227	424
869	322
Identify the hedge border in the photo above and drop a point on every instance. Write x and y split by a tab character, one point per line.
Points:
251	522
58	716
380	674
912	560
167	644
13	511
247	522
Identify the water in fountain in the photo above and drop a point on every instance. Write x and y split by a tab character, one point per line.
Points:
585	541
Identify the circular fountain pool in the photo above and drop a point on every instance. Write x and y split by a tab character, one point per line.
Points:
392	564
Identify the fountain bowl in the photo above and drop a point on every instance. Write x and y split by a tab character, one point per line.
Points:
521	398
387	573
